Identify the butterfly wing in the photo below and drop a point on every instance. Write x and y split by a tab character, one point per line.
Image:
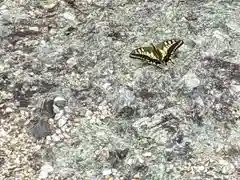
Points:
146	53
157	54
170	47
175	44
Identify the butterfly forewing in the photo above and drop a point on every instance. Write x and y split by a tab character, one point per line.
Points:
145	53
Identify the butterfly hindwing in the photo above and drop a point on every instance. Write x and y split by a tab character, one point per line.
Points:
161	53
175	44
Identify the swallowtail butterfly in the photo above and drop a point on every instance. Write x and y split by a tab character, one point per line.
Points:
161	53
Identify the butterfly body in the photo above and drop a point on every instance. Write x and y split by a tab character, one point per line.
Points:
161	53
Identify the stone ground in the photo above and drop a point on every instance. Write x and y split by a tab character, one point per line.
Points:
73	105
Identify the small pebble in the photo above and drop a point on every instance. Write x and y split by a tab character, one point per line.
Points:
199	168
106	172
76	120
64	128
69	16
55	138
76	124
136	176
114	171
61	136
66	135
130	162
68	129
72	61
48	138
9	110
34	28
58	111
58	131
3	133
60	101
49	4
69	124
147	154
62	121
88	114
140	160
45	170
51	121
59	115
191	81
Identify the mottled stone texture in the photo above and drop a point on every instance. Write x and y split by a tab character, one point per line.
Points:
74	105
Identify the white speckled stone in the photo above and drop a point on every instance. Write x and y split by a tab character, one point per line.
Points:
147	154
62	121
55	138
191	80
59	115
60	101
69	16
106	172
9	110
45	170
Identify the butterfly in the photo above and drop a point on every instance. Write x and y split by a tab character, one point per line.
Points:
161	53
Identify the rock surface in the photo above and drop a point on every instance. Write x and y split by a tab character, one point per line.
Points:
73	105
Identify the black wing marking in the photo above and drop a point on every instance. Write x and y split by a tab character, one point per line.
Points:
146	53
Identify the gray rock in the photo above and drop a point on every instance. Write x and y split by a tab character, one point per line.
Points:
48	107
191	81
125	104
62	121
40	130
126	97
73	56
69	16
60	101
